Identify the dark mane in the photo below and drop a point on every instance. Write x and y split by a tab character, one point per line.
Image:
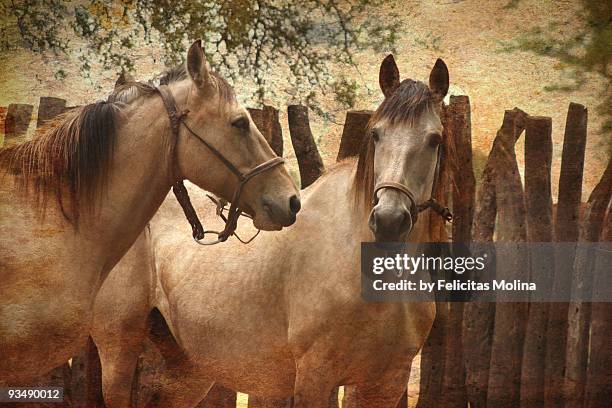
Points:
72	154
409	101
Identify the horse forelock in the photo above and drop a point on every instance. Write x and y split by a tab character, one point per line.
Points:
409	101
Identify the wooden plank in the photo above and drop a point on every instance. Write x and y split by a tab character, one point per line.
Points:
267	121
510	318
479	317
566	230
538	202
598	393
579	317
432	366
48	108
309	159
276	130
17	121
353	133
458	124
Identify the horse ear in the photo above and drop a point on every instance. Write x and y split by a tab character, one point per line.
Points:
388	77
197	66
438	79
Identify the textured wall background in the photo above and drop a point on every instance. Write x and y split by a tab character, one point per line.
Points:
466	34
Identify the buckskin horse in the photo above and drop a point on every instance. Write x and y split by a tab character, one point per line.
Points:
284	316
75	198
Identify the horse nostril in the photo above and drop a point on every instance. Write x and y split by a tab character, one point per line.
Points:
406	223
294	204
389	223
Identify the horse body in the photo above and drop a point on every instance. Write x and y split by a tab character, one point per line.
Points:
256	317
74	199
284	315
51	271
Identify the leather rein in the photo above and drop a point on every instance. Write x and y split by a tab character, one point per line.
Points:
231	220
417	208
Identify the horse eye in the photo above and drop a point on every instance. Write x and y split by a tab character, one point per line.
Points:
241	123
375	135
434	139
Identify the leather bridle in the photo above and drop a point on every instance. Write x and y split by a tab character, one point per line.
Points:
231	221
417	208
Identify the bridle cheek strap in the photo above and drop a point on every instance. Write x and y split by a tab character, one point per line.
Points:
179	190
234	211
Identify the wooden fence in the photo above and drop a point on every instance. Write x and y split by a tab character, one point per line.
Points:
478	353
522	354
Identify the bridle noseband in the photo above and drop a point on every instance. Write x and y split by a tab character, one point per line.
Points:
231	221
417	208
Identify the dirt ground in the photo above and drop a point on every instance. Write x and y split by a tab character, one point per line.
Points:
413	388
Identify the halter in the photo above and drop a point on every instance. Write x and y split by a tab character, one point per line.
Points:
231	221
417	208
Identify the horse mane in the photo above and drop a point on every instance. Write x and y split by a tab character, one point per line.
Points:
405	105
73	153
128	91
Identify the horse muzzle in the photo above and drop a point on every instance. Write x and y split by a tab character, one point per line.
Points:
390	223
281	213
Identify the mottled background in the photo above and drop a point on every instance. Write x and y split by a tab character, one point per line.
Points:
469	35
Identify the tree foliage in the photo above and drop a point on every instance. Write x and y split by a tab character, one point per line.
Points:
583	51
243	38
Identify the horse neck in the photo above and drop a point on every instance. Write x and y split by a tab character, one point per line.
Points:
139	180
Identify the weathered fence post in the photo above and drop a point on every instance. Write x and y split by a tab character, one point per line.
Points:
538	201
579	317
458	125
432	366
510	318
267	122
17	121
479	316
566	230
48	108
309	159
353	133
598	393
